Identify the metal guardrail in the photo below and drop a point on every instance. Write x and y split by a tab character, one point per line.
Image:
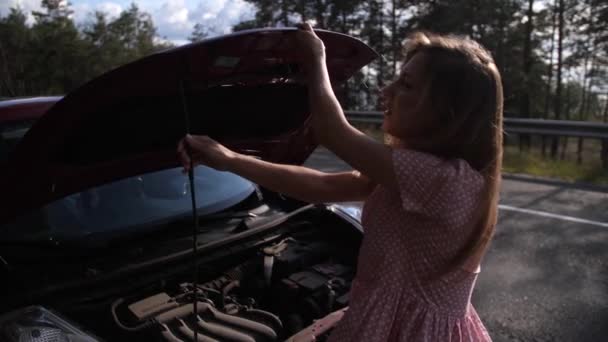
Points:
564	128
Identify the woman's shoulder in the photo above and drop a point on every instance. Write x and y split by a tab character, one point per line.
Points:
429	164
432	185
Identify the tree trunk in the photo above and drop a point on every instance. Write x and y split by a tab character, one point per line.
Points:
606	109
527	64
558	90
550	67
592	70
394	43
319	10
346	85
567	117
284	13
500	50
582	107
380	80
6	79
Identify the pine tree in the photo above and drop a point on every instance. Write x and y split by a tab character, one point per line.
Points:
199	33
15	39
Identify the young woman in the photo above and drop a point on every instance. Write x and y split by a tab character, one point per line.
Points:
430	195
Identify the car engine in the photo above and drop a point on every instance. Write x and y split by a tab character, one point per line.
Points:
276	277
293	289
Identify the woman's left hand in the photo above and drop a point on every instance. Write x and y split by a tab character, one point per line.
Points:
204	150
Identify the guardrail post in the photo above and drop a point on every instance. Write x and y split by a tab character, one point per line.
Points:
564	148
579	157
554	147
605	153
544	145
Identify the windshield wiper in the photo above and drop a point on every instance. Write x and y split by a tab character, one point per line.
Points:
36	243
228	215
48	248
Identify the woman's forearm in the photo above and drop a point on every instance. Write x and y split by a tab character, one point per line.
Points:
329	122
295	181
330	126
334	132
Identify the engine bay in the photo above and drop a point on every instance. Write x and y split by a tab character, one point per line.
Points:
289	282
275	295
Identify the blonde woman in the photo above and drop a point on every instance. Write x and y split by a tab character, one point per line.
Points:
430	196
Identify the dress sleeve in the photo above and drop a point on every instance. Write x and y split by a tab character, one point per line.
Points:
428	185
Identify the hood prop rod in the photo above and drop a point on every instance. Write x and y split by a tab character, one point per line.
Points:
194	211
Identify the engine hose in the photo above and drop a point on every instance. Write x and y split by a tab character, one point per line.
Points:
209	289
225	332
275	319
192	336
144	325
168	335
231	285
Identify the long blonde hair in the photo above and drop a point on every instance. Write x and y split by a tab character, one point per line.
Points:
464	92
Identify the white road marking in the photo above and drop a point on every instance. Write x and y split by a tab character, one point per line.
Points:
555	216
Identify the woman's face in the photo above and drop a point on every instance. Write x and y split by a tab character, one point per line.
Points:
403	98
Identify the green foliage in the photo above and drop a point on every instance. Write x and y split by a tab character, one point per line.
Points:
519	41
532	163
55	44
53	56
113	43
199	33
14	38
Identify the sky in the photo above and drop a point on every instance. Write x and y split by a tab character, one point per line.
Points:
174	19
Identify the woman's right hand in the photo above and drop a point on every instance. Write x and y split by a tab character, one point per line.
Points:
310	46
204	150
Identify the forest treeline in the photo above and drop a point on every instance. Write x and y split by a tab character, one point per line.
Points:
553	54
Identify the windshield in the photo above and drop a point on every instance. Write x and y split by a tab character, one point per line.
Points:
130	204
10	134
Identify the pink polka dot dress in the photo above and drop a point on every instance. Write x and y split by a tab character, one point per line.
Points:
409	234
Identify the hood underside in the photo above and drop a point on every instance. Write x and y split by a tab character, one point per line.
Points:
241	89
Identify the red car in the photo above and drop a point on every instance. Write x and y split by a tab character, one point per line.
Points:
16	118
96	222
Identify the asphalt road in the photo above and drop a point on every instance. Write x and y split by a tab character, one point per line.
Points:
545	277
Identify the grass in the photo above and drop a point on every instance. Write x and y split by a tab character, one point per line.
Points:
532	163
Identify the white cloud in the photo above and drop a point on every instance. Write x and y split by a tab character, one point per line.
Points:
112	9
171	19
218	16
83	12
26	5
209	7
175	19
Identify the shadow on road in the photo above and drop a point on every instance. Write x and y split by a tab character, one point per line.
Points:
545	280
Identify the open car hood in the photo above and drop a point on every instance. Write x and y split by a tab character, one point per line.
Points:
240	89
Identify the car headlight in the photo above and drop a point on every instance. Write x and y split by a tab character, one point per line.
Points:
37	324
350	211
